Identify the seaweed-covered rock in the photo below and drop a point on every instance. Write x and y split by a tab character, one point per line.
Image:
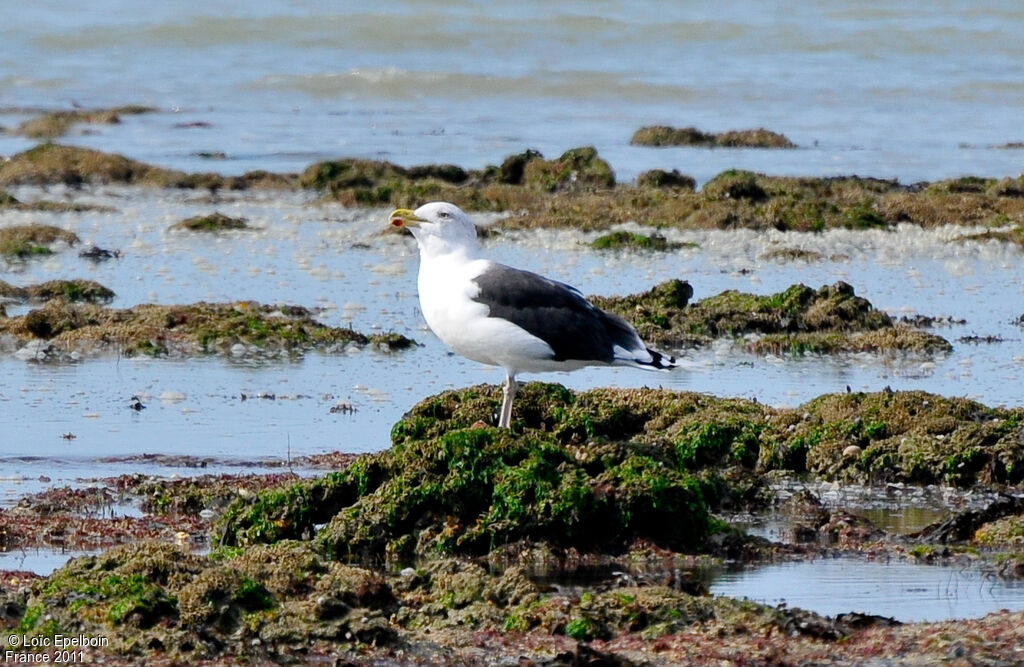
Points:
664	135
572	475
659	178
361	182
214	222
735	185
904	437
128	588
1007	531
622	240
800	319
71	291
55	123
34	239
189	329
214	602
600	469
967	524
576	168
73	165
513	167
54	163
151	597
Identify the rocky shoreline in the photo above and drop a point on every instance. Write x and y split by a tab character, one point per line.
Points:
449	547
437	550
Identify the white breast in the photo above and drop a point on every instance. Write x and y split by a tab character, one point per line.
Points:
446	299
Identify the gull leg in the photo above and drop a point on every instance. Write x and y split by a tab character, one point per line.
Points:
508	393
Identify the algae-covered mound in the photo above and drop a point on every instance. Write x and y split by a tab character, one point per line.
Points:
664	135
285	602
738	199
149	597
70	291
577	189
598	470
187	329
521	180
911	437
612	471
214	222
594	471
622	240
54	163
55	123
828	320
23	241
659	178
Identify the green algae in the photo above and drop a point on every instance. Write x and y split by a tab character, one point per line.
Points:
659	178
576	189
50	163
664	135
214	222
188	329
23	241
622	240
1005	532
160	602
69	291
575	169
521	180
798	320
446	486
148	597
580	472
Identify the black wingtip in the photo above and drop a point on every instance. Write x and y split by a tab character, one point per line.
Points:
661	362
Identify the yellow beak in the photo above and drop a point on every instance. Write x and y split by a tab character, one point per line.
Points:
404	217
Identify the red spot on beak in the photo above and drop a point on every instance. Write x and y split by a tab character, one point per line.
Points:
397	222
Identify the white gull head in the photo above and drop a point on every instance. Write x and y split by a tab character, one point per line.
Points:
440	228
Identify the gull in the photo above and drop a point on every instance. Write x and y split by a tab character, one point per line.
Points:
503	316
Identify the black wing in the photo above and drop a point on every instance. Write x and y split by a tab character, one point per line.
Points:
554	312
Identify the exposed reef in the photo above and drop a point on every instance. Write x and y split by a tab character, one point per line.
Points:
622	458
71	165
829	320
23	241
70	291
618	483
185	329
56	123
578	189
214	222
664	135
622	240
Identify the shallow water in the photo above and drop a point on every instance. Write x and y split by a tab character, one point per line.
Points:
905	591
40	561
880	89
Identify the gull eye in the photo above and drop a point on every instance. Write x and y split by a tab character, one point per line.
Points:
444	214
